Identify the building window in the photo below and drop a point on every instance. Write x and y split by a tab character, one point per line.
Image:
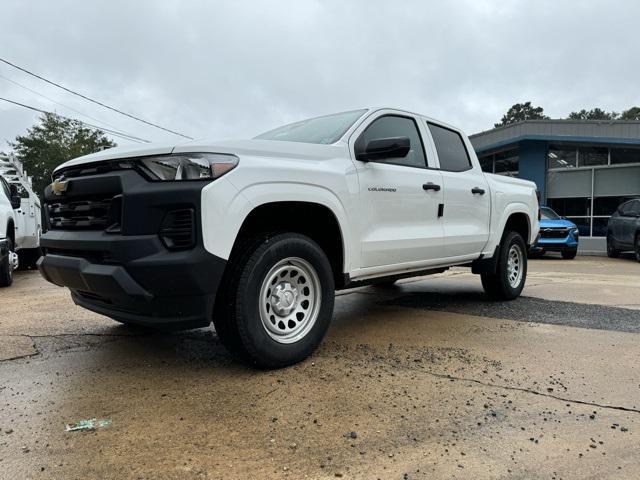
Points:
559	156
570	193
625	155
486	163
590	156
571	207
606	206
507	163
583	224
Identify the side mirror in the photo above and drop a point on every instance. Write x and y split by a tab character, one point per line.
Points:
16	201
381	148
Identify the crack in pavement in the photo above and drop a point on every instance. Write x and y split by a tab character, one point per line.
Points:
60	335
18	357
533	392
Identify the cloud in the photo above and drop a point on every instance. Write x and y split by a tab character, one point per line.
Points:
236	68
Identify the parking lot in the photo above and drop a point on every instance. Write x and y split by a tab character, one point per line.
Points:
427	379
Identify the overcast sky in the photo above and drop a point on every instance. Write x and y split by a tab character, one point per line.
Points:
234	69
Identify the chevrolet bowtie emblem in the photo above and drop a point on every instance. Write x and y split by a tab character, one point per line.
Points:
59	187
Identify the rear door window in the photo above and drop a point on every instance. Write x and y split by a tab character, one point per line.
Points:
451	150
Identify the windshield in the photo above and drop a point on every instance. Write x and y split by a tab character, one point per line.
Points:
323	130
548	214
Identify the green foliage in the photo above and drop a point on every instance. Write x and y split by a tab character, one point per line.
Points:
520	112
593	114
598	114
632	114
52	141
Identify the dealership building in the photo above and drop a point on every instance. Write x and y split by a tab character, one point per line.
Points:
583	169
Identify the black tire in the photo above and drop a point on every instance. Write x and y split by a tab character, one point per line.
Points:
637	249
28	258
612	252
497	285
6	272
569	254
237	318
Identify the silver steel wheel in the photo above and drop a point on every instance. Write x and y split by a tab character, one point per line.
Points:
515	265
290	299
13	262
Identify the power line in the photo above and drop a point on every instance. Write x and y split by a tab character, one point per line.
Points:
93	127
73	109
92	100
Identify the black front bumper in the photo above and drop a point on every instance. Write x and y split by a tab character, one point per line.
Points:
132	275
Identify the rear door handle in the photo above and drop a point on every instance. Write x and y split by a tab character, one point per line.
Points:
477	190
431	186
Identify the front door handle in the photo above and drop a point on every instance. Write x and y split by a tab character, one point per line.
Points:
477	190
431	186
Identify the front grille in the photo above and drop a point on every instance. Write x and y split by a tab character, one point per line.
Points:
96	213
554	232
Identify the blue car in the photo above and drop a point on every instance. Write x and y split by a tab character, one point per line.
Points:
557	234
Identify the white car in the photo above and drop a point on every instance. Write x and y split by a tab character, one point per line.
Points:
255	235
9	199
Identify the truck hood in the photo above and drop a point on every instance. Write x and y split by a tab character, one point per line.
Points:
254	148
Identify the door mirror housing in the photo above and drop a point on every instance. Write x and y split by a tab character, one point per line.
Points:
16	201
382	148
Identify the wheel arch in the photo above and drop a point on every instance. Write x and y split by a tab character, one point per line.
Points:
519	222
315	220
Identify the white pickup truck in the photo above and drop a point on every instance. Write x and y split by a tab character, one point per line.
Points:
256	235
9	200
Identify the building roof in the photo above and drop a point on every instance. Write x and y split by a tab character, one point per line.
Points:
584	131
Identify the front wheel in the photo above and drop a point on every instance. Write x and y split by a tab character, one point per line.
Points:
7	265
612	252
569	254
276	301
511	271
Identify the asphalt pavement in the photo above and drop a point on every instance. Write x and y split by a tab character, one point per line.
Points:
426	379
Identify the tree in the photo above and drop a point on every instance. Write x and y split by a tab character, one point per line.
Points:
632	114
593	114
520	112
52	141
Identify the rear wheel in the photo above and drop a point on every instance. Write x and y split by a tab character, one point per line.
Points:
511	271
569	254
612	252
277	300
7	266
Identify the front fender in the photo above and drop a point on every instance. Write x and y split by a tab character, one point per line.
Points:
225	208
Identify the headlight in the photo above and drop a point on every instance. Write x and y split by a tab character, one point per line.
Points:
575	231
189	166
